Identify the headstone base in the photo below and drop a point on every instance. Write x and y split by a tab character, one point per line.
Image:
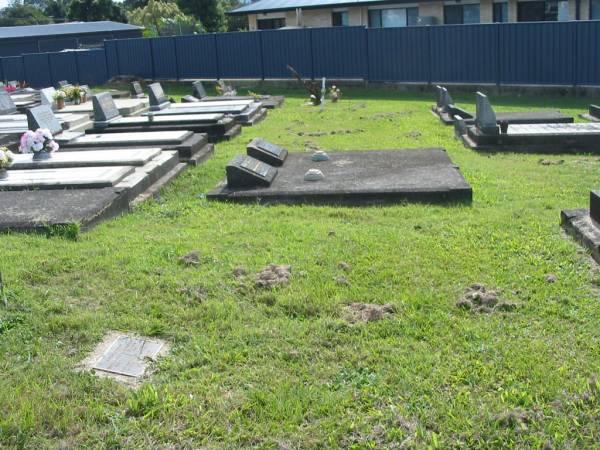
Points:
579	224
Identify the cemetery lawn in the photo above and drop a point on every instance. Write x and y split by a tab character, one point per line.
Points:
257	368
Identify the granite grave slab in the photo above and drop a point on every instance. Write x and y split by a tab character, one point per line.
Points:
355	178
80	177
244	113
199	95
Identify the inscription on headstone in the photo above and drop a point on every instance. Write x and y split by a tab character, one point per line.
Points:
7	106
485	117
136	89
245	171
158	99
198	89
42	117
595	206
129	356
105	108
267	152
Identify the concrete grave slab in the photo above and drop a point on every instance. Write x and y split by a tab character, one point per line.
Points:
80	177
359	178
584	224
245	114
199	95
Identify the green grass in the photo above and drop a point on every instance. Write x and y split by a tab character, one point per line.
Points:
253	368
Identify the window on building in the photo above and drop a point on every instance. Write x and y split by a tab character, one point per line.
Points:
500	12
594	9
394	17
459	14
542	11
339	18
270	24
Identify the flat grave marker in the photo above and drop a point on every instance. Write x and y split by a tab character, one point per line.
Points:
267	152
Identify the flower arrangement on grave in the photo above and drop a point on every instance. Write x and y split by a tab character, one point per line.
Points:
74	93
59	97
6	159
9	88
39	142
335	93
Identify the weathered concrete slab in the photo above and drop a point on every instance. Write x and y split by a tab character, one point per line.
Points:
511	117
360	178
244	114
80	177
126	107
579	224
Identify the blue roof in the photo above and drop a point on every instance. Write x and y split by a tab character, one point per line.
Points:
283	5
54	29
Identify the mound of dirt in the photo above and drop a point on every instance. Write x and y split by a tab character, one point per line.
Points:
367	312
274	275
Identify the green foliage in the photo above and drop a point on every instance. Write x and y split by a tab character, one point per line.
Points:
95	10
210	13
57	9
143	402
164	18
19	14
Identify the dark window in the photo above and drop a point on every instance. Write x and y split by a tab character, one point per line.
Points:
500	12
594	9
339	18
393	17
457	14
270	24
545	11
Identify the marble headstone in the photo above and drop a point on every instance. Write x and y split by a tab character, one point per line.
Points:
447	101
198	89
7	106
439	96
245	171
47	96
42	117
158	99
485	117
105	109
136	90
266	152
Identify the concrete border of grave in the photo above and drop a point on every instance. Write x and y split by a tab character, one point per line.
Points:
593	114
584	224
199	95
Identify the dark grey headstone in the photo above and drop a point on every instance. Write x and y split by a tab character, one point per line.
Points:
595	206
198	89
446	100
245	171
136	89
485	117
42	117
158	99
7	106
105	108
266	152
595	111
460	127
440	95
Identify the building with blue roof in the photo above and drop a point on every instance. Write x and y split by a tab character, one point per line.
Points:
271	14
60	36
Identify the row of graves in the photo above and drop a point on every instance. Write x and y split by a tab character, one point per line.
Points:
81	162
531	132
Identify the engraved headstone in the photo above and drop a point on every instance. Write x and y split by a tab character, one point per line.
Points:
7	106
158	99
447	101
105	109
485	117
460	128
43	117
595	206
198	89
136	90
47	96
439	95
266	152
245	171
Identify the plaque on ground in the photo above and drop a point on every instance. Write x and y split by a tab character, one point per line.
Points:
245	171
129	355
359	178
7	105
448	110
584	224
267	152
81	177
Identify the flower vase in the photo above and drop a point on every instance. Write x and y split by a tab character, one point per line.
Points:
84	98
3	173
40	156
60	103
77	100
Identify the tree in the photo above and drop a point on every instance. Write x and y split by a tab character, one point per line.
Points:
237	22
57	10
94	10
130	5
210	13
19	14
164	18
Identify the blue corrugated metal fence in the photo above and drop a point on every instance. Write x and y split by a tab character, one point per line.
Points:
551	53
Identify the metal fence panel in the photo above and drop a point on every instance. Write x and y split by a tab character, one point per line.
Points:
111	59
92	67
135	57
291	47
339	52
240	54
63	66
197	56
37	69
398	54
537	53
164	58
12	68
587	41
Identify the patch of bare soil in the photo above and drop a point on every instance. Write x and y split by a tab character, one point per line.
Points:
551	162
478	298
274	275
239	273
367	312
191	259
195	292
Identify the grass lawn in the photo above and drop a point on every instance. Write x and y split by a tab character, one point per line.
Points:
283	368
